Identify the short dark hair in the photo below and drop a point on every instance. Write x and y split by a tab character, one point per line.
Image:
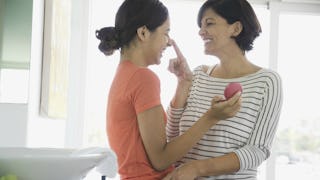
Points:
131	15
232	11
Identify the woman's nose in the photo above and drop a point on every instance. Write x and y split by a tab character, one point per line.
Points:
201	32
169	42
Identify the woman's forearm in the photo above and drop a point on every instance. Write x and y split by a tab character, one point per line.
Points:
221	165
162	153
179	146
182	91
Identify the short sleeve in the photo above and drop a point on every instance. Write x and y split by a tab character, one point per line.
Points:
145	90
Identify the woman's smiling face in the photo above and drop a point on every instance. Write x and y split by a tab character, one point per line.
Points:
215	32
159	41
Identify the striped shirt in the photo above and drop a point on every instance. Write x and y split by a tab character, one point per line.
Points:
249	134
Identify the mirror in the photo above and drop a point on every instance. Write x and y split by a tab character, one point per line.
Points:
15	50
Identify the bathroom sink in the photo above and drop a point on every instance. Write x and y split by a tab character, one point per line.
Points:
52	163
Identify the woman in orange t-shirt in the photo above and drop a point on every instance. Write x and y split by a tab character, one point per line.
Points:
135	117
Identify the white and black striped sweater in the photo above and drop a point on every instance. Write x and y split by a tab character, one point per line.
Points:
249	134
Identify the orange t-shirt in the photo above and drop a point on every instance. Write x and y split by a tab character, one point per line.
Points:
134	89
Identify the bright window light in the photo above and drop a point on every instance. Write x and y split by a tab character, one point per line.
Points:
298	140
14	85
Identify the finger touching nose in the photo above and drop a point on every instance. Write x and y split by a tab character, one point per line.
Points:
176	49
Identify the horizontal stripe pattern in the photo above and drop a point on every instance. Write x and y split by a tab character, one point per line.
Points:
249	134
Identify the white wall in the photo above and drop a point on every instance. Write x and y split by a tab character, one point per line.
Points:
14	116
22	122
13	124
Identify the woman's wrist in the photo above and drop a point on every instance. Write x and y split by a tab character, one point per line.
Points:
202	168
199	167
184	83
181	95
177	103
209	118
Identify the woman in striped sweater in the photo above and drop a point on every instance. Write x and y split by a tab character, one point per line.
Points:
234	147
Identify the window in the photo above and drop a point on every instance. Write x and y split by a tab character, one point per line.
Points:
298	140
14	85
15	45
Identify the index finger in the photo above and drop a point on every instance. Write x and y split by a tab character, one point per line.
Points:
176	48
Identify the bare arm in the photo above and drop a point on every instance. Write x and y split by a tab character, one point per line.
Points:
160	153
152	129
208	167
225	164
180	68
180	97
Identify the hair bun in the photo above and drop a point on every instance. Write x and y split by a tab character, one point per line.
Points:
109	38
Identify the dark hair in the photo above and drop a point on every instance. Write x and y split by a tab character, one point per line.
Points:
232	11
131	15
